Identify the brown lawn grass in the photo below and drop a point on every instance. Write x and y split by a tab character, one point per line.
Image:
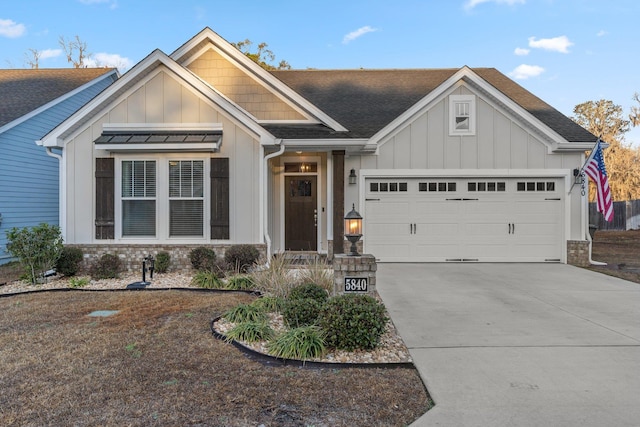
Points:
156	363
621	251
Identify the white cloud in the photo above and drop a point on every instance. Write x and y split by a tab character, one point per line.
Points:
50	53
524	71
11	29
109	60
557	44
601	33
358	33
520	51
112	3
470	4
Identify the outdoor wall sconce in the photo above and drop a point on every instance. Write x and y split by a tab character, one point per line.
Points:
353	229
578	177
352	176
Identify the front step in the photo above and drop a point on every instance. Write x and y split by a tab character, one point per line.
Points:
297	259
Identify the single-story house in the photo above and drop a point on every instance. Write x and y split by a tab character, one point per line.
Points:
32	103
205	147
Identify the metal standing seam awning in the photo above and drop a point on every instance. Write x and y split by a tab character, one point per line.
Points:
160	141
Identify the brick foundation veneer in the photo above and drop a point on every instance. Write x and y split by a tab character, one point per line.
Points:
578	253
132	255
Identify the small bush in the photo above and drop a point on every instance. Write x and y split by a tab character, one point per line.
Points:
242	257
202	258
78	282
353	322
299	343
37	248
250	332
240	282
309	290
245	313
108	266
207	280
69	262
301	312
269	304
162	262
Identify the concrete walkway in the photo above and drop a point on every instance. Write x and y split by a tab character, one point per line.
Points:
519	344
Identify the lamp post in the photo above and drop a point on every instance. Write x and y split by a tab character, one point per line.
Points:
353	229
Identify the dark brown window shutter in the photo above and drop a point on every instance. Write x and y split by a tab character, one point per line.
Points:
220	198
105	195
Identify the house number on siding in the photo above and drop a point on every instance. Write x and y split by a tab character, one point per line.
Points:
356	284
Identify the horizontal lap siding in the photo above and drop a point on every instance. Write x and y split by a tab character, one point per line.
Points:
28	176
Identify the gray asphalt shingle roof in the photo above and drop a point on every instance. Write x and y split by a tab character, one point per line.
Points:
364	101
25	90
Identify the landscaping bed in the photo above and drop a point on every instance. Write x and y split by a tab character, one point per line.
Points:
155	362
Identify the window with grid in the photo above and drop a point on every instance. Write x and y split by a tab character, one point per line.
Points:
186	198
462	111
139	198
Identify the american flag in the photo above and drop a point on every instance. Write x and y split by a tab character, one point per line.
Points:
594	168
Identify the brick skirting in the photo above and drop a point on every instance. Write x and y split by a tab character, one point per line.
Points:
132	255
578	253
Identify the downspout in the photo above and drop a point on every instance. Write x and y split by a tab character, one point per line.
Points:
265	169
61	184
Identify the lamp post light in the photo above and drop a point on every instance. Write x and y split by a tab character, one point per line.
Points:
353	229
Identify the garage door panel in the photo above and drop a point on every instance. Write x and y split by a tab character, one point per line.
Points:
484	219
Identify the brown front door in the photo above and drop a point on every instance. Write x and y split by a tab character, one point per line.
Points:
300	213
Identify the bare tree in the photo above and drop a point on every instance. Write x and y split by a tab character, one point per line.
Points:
32	58
634	116
75	51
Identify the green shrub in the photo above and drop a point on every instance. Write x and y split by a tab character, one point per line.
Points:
78	282
240	282
353	322
250	332
69	262
202	258
162	262
108	266
241	257
37	248
303	343
269	304
245	313
301	312
207	280
309	290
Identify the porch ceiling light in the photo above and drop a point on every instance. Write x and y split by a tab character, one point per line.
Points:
353	229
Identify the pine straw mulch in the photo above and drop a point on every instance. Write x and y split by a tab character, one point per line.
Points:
156	363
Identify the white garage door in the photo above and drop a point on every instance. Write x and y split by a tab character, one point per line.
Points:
484	220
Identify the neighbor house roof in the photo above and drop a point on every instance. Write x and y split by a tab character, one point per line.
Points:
25	90
365	101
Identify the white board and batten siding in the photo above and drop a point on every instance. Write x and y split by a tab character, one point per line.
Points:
500	195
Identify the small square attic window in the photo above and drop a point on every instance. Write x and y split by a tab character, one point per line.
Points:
462	115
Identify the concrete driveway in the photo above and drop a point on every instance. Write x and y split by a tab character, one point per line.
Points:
519	344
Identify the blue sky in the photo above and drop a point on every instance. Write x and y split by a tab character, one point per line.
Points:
564	51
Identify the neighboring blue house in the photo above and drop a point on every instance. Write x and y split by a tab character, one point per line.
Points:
32	103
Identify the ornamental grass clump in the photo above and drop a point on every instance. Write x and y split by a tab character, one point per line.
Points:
306	342
276	279
245	313
353	322
250	332
207	280
240	282
269	304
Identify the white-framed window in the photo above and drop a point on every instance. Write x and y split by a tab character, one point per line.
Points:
462	115
186	198
139	198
